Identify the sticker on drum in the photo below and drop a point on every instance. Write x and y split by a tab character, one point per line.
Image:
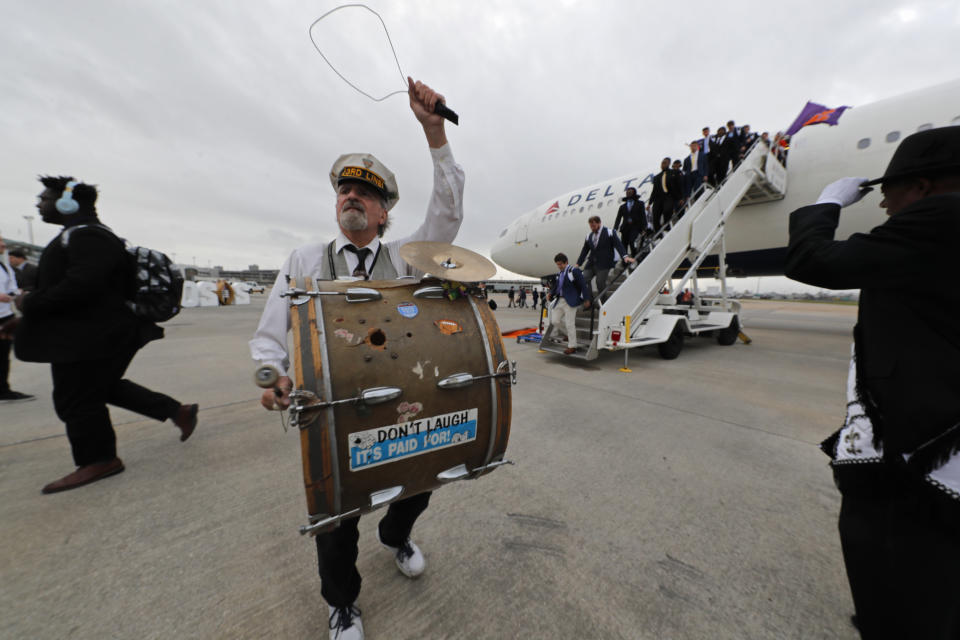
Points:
373	447
448	327
408	309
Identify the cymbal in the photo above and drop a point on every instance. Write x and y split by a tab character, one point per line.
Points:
447	261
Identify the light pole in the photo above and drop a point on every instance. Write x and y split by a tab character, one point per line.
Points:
29	220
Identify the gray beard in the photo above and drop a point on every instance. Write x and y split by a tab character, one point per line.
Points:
353	220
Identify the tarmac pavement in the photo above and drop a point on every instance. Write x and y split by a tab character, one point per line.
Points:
687	499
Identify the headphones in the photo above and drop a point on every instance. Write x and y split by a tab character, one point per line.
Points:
66	204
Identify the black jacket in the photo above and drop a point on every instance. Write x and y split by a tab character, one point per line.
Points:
908	326
674	186
634	219
78	311
26	276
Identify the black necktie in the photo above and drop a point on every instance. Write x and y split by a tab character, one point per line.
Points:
361	270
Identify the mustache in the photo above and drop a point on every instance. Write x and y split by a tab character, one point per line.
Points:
353	203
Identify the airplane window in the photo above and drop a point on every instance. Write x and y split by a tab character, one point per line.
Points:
599	204
581	209
564	214
893	136
863	143
924	127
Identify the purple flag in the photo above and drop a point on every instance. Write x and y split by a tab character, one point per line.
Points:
815	113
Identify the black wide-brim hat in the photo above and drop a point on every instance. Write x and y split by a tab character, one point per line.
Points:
924	153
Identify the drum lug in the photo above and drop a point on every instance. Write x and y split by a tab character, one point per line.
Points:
382	497
363	294
458	472
379	395
456	381
430	292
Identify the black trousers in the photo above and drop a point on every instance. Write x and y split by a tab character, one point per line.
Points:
628	237
5	365
901	547
663	211
81	392
719	167
337	549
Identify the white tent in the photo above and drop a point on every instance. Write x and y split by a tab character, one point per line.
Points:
240	293
208	294
191	296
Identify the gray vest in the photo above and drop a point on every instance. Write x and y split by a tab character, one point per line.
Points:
334	265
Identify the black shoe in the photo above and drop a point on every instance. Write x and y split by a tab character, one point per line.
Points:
15	396
186	419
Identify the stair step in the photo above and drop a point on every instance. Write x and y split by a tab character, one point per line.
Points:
580	353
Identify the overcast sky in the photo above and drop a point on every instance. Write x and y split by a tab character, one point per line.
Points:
210	125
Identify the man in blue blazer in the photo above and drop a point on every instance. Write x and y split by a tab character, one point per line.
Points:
602	249
566	296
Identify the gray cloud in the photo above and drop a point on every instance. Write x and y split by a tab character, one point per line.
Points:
211	126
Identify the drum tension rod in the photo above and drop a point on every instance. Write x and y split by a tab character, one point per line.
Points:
353	294
373	395
506	369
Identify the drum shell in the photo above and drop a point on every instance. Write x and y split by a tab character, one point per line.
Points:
405	342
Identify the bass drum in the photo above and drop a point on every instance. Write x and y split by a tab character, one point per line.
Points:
401	391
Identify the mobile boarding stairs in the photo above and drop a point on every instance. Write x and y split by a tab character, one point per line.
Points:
631	312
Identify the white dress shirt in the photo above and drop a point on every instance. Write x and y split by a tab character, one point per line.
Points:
351	258
441	224
8	285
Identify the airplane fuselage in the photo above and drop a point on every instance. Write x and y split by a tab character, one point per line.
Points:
861	144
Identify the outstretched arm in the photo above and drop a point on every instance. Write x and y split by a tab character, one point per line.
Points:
423	99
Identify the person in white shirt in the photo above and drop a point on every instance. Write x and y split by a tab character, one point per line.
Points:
8	290
366	192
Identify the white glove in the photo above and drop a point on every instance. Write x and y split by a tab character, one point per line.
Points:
843	192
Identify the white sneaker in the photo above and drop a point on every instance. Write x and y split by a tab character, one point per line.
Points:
410	560
345	623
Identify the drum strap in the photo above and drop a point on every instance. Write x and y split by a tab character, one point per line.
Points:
333	268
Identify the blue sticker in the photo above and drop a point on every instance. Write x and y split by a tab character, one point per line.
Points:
373	447
408	309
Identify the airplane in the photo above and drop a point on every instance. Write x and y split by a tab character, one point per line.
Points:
860	144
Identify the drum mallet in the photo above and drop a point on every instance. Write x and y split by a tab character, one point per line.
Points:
267	377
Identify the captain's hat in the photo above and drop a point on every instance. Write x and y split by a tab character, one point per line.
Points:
364	167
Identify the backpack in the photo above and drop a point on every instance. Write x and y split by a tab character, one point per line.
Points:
154	288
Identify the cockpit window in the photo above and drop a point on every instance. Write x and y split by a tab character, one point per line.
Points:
503	233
